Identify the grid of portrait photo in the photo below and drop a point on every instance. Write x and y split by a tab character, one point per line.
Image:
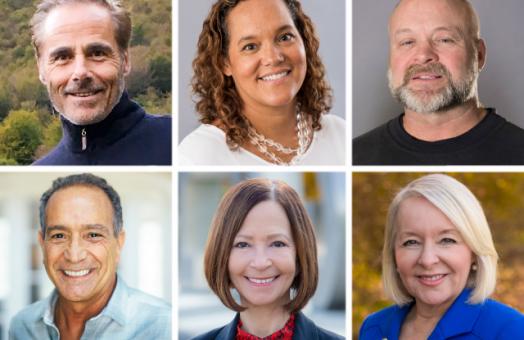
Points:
261	170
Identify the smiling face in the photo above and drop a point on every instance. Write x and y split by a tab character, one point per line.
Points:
79	62
80	250
434	55
431	257
262	263
266	55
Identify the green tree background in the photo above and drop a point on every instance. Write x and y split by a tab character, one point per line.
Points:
22	94
501	196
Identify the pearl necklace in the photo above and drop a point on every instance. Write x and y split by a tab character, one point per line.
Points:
263	144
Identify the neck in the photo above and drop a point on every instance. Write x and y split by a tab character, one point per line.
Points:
71	316
264	321
445	124
278	124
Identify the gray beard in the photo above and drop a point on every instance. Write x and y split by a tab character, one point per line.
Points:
452	95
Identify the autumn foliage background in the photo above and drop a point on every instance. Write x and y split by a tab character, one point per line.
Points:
28	129
502	198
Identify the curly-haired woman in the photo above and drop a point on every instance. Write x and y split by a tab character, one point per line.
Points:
260	90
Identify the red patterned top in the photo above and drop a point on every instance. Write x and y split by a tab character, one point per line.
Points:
285	333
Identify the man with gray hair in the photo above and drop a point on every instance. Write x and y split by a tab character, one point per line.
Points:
81	236
436	54
82	51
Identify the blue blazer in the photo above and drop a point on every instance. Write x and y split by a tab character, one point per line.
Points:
305	329
486	321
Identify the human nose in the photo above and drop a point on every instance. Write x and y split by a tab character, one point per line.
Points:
260	259
75	251
428	256
81	70
425	53
272	55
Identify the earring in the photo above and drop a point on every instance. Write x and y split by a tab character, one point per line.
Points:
474	267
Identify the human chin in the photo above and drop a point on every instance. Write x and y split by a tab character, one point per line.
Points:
87	110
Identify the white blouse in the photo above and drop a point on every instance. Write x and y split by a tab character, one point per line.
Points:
206	145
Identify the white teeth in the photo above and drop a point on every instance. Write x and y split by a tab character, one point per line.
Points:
261	281
275	76
427	77
432	277
76	273
84	94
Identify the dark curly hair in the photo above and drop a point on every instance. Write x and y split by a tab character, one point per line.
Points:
216	95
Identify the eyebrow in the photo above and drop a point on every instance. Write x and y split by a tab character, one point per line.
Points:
94	226
251	37
452	29
446	231
107	49
269	236
60	51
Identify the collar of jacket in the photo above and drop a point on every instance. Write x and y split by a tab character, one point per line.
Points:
85	138
460	318
304	329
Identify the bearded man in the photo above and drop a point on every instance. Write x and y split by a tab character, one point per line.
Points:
436	54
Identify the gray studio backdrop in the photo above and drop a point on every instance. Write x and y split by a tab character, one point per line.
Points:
328	17
501	82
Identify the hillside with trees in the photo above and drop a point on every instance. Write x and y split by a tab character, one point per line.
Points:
28	128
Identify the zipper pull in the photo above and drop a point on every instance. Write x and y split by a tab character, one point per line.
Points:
84	139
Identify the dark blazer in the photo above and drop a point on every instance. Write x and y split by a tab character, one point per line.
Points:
462	321
305	329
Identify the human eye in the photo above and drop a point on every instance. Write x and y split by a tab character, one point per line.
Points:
286	37
241	245
94	235
249	47
446	40
407	43
278	244
61	58
56	237
448	241
410	243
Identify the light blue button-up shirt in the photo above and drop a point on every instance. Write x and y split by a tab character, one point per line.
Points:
129	314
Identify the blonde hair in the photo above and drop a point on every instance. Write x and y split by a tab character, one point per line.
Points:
462	208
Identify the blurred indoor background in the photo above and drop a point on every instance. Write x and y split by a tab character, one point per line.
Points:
323	195
145	261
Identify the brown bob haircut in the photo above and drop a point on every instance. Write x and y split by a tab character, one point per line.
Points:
216	96
228	219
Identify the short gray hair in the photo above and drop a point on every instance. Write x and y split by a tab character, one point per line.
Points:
119	15
83	180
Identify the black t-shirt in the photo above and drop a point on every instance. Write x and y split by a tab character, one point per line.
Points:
493	141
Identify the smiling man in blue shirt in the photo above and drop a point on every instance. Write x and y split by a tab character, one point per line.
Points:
81	238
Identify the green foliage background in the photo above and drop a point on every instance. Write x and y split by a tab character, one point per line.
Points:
502	200
21	93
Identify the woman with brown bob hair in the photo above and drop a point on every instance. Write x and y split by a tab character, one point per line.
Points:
260	89
262	244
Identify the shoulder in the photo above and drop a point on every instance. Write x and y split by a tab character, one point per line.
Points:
206	145
500	319
372	136
57	156
227	332
160	123
306	328
333	128
145	303
371	327
333	122
28	318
